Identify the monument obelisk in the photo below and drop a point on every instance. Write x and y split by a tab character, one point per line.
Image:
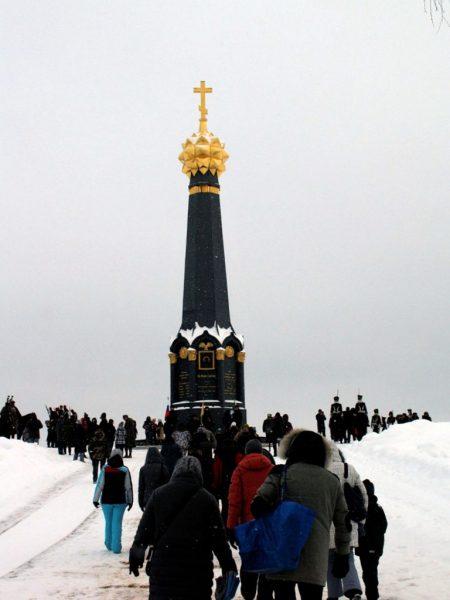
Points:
207	356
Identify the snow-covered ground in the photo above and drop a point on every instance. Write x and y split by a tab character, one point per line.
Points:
53	547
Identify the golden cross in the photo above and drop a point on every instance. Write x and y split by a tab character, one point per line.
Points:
203	90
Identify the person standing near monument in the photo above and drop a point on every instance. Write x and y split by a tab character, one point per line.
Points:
360	405
130	435
336	407
269	431
376	421
321	418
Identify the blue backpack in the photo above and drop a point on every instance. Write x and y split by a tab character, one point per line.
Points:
273	543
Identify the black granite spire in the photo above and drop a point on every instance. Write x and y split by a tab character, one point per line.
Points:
207	356
205	299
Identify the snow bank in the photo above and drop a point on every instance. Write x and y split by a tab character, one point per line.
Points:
421	445
410	467
30	472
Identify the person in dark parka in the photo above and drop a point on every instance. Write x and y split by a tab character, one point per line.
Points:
183	524
170	452
151	476
371	542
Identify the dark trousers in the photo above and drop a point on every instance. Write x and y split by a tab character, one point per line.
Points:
369	564
95	463
252	582
285	590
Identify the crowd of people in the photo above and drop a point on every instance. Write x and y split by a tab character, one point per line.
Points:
202	479
353	423
206	481
15	425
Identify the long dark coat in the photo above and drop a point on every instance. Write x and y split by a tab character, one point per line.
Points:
151	476
181	567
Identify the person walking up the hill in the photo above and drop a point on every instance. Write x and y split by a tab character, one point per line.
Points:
307	482
183	524
151	476
170	452
356	497
247	478
114	491
371	542
98	451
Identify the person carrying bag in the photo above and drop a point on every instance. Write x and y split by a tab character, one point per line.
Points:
307	484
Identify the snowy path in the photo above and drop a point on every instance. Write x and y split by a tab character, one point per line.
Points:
412	477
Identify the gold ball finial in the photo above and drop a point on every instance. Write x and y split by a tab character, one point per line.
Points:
203	151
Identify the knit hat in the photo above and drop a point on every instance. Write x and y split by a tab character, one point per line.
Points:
116	452
253	447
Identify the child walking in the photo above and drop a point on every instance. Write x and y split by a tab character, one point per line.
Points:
371	543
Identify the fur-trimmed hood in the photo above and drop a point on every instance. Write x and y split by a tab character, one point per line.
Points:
288	439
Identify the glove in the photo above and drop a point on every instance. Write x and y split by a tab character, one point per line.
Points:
340	566
130	506
136	559
96	504
231	537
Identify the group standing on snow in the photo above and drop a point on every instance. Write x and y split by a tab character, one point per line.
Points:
198	489
354	423
206	480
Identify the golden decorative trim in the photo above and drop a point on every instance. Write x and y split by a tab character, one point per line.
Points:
183	353
220	354
204	189
241	356
203	151
192	354
206	346
229	351
172	358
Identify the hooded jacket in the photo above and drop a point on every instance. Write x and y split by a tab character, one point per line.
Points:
372	542
247	478
318	489
337	466
183	522
153	474
114	484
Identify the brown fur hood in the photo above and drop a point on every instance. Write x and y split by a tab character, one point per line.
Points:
289	438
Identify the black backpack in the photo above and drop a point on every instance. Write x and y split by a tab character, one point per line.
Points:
355	500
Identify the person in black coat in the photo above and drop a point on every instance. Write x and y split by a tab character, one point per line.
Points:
171	453
79	440
371	543
151	476
183	524
321	418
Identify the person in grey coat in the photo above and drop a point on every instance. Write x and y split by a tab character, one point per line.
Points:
151	476
310	484
348	586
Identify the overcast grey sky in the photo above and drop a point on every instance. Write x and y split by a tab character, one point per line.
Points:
335	203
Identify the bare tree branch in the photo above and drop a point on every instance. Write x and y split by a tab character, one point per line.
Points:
437	10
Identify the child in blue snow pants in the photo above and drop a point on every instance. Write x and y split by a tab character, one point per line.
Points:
114	491
113	514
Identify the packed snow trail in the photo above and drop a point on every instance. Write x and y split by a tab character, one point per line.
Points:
409	464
